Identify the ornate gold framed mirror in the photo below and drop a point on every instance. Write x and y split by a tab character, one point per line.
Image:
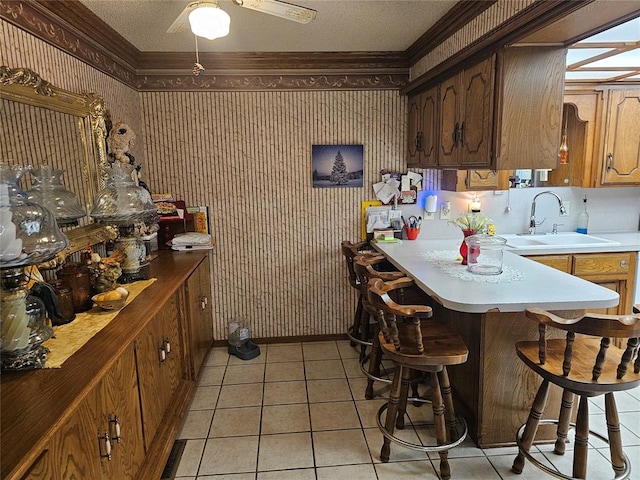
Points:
47	126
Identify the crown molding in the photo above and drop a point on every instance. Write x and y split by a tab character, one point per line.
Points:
73	28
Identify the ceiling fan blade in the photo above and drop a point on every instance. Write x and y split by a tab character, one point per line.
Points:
280	9
181	23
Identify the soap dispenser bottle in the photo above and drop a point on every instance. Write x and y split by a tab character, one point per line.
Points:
583	218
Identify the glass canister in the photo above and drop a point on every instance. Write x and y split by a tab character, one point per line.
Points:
78	277
485	254
49	192
65	303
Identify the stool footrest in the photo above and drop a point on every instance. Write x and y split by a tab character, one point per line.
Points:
462	434
356	339
371	376
554	472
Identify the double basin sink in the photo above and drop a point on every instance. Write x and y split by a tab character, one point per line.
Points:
561	239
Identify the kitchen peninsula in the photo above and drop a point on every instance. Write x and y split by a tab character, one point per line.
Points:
494	388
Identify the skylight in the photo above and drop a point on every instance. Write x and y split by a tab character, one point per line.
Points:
609	56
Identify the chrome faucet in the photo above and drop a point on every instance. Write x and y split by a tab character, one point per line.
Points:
532	221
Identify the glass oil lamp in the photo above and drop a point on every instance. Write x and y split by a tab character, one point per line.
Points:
48	191
29	235
126	205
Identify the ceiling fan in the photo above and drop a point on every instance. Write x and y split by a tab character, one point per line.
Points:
277	8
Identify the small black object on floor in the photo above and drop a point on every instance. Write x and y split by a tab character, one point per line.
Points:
246	351
171	467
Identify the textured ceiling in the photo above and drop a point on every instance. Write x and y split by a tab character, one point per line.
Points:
340	25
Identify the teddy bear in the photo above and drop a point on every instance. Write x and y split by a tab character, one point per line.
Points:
119	141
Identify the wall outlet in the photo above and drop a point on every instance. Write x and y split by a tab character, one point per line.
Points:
445	211
429	215
567	207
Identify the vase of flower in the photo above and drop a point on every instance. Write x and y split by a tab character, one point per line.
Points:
470	223
464	249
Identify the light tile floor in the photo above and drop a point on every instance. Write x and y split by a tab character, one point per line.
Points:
298	412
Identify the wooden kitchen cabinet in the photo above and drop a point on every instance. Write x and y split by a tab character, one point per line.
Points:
474	179
200	328
160	370
52	418
466	117
615	270
423	129
621	148
503	113
78	450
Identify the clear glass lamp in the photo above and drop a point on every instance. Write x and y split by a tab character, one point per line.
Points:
126	205
48	191
29	234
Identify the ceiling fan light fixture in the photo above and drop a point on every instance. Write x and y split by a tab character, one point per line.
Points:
209	21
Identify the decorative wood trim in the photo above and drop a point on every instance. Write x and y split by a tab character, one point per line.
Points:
352	81
276	61
456	18
38	18
530	19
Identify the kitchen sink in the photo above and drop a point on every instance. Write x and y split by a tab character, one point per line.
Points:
562	239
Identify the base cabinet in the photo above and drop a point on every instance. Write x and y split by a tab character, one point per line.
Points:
103	437
159	364
113	410
200	328
615	271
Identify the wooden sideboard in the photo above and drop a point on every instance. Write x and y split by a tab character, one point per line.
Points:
136	376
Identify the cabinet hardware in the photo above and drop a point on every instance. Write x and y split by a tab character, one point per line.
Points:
623	263
609	161
419	145
114	428
167	345
204	301
107	445
162	354
456	132
462	134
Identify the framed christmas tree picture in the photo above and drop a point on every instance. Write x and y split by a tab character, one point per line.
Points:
337	166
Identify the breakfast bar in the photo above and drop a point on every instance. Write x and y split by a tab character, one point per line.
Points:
493	387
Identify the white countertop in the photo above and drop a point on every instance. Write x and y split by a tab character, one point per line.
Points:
542	286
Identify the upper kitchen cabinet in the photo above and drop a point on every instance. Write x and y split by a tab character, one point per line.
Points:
530	88
621	146
422	129
466	117
503	113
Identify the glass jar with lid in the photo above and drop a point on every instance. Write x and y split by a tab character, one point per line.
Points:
48	191
485	255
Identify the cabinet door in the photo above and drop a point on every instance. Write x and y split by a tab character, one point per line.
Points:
119	409
414	127
74	452
158	359
622	139
449	125
476	127
200	316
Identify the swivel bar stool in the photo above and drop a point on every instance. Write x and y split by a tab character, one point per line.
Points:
356	335
584	365
364	270
417	344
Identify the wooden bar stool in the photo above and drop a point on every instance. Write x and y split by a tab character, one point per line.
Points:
417	344
356	335
364	270
584	365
